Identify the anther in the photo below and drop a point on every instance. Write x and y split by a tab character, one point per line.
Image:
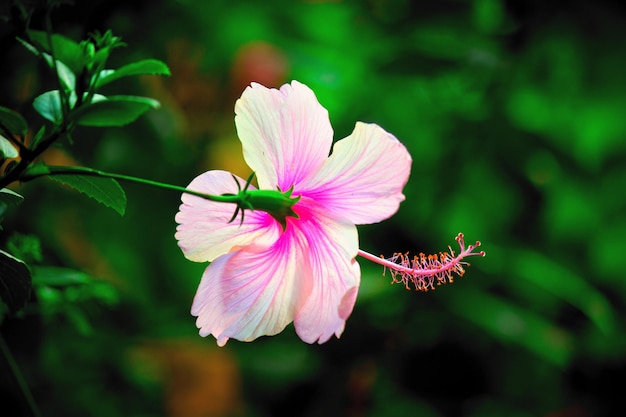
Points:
425	272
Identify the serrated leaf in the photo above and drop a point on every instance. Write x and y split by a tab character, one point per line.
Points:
104	190
144	67
7	150
65	50
114	111
15	282
13	121
48	105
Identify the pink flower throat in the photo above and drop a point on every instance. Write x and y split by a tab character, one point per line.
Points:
426	271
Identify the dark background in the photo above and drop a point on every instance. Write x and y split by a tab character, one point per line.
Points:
515	115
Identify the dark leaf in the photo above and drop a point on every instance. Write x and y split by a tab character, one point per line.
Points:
10	197
15	282
13	121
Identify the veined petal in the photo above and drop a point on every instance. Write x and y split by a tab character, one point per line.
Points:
251	292
285	134
363	178
334	274
203	231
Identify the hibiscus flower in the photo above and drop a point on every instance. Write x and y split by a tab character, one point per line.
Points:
267	272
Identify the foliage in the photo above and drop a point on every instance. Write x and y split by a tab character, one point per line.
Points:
80	72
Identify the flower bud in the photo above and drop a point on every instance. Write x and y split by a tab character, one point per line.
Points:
277	204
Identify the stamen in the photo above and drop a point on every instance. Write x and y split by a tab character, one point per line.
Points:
423	272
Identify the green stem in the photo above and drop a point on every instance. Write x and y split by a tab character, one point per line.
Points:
75	170
29	156
19	378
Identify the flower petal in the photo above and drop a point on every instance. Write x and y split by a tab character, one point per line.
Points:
204	233
285	134
251	292
363	178
335	275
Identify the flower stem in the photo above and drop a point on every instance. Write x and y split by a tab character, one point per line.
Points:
274	202
29	155
75	170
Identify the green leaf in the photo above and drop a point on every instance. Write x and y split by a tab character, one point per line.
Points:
48	105
104	44
567	285
77	286
10	197
66	75
100	58
65	50
488	15
148	66
77	317
67	293
114	111
13	121
505	321
59	277
88	51
39	136
7	150
15	282
25	247
32	48
104	190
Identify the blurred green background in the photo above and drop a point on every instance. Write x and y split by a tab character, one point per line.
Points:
514	113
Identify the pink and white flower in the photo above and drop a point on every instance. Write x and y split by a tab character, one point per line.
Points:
261	276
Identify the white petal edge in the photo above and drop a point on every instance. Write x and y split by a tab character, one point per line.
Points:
363	178
204	232
285	134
